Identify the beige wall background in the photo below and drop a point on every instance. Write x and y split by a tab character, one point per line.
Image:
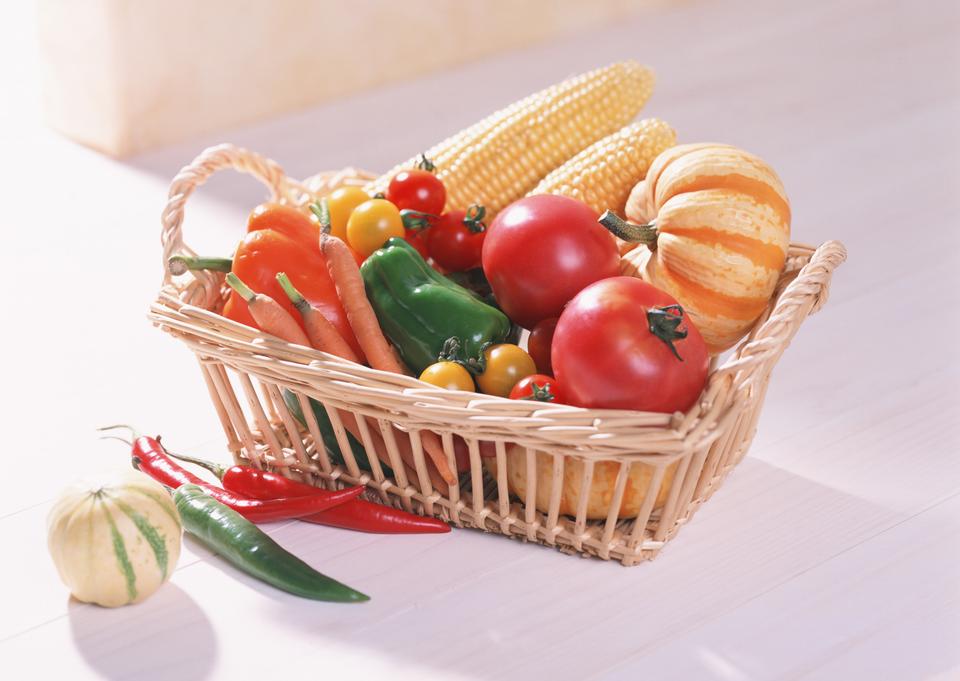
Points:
124	76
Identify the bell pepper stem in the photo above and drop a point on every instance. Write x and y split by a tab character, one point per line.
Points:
242	289
181	264
644	234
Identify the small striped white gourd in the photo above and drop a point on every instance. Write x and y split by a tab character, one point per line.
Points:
114	542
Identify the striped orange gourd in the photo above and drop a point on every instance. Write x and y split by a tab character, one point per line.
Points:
715	231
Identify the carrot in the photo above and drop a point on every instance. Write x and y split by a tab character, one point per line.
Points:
346	276
269	314
322	334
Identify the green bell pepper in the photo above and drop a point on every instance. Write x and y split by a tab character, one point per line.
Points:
420	310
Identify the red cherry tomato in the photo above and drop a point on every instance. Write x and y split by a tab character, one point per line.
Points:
417	190
539	387
539	342
456	239
417	239
624	344
541	251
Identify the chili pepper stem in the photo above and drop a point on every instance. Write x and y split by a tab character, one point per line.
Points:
644	234
133	433
214	468
181	264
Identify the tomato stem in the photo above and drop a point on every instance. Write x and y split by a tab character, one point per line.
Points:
451	353
417	220
424	163
644	234
473	219
664	324
180	264
539	393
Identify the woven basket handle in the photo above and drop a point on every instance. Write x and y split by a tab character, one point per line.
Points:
192	176
802	297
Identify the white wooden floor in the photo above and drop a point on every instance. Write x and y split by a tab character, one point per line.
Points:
832	553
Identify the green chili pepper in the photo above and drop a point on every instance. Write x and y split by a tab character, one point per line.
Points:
244	545
419	309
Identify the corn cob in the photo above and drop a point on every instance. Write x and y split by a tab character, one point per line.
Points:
603	174
501	158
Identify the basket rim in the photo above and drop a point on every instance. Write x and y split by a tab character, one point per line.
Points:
185	304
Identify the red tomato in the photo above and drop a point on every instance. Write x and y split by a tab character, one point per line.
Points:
624	344
539	387
456	241
539	342
541	251
417	190
417	239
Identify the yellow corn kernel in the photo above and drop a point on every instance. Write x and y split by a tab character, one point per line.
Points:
603	174
501	158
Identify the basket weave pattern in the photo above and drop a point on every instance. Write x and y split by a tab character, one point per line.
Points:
688	454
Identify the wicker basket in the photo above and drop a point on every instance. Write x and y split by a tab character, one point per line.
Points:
575	458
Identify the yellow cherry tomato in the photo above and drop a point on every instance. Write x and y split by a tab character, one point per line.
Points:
448	375
371	224
506	364
341	203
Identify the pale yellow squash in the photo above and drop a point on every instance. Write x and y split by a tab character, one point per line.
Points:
114	542
602	485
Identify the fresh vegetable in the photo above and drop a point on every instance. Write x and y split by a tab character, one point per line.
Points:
602	485
288	220
539	388
363	319
418	239
270	316
371	224
357	514
603	174
330	442
265	253
322	334
246	547
114	542
504	365
502	157
539	342
417	189
623	344
448	375
149	456
420	310
340	204
456	240
543	250
714	222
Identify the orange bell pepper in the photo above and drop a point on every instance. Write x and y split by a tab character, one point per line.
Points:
282	239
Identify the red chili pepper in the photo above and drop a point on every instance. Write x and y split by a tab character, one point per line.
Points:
356	514
150	457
